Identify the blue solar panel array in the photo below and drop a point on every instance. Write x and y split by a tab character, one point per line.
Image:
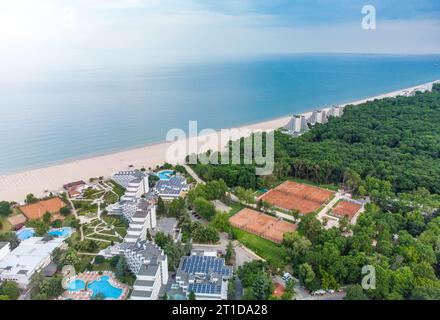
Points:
206	288
172	186
206	265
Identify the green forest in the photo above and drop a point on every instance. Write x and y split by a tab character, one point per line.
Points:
388	150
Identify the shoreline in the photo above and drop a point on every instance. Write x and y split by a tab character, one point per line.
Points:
15	186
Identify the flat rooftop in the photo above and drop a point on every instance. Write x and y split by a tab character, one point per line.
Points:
28	255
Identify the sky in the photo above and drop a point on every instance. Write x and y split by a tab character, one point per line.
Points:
38	36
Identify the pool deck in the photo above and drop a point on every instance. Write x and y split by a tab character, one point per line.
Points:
88	277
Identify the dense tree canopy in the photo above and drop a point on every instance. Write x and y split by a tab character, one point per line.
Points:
387	149
395	140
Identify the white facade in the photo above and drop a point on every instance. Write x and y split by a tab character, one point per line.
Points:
141	221
4	249
150	265
29	257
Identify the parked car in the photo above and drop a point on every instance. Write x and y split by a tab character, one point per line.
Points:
286	276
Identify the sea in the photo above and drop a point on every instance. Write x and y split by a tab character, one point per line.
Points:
82	113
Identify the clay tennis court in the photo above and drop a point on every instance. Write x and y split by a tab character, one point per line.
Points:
345	208
262	224
292	195
37	210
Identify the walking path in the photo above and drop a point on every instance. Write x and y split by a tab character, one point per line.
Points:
193	174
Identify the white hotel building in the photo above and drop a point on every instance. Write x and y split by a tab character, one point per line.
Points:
143	219
150	265
31	256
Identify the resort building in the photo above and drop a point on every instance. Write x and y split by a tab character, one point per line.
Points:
204	274
142	220
130	178
150	265
31	256
172	188
297	124
317	117
75	189
136	184
17	221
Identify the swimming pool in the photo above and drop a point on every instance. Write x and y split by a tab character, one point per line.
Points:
165	175
177	296
76	285
25	233
103	286
63	232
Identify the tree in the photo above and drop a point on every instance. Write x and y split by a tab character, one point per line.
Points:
30	198
51	287
426	293
99	259
47	217
121	271
297	246
70	257
306	274
204	207
177	208
232	289
40	296
309	227
289	292
262	287
57	223
65	211
191	295
5	208
10	237
161	209
87	245
230	254
10	289
355	292
245	195
204	234
221	222
352	180
114	261
40	227
328	280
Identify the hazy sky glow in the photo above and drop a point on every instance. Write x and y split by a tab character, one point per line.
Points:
57	35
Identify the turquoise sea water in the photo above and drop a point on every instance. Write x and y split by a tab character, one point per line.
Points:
84	113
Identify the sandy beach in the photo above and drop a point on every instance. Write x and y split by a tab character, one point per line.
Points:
15	187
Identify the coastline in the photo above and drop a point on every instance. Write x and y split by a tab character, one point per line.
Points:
15	186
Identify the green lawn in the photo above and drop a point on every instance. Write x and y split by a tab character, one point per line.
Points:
120	191
110	198
235	207
5	225
85	207
270	251
92	194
